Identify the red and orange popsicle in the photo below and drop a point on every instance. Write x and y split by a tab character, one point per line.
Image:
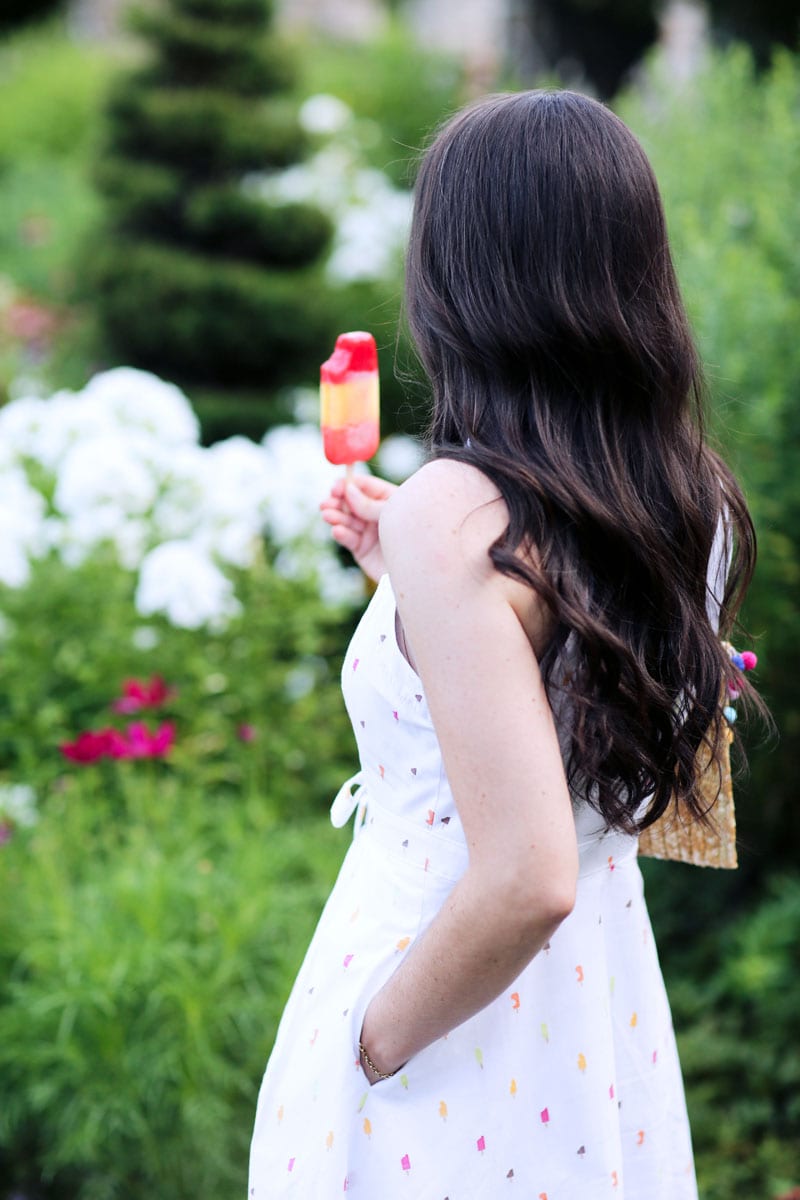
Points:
350	400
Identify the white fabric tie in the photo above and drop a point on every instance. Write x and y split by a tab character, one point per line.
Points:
347	801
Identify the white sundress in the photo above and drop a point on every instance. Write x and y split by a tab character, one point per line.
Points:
566	1087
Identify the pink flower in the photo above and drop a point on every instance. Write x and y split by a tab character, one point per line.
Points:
29	322
138	694
90	745
246	733
139	742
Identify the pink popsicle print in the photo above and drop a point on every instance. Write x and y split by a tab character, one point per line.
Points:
348	958
405	1163
291	1165
481	1143
545	1116
611	1092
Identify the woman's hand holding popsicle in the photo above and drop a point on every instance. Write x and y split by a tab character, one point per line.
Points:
353	510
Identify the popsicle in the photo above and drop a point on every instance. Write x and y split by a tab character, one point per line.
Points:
350	400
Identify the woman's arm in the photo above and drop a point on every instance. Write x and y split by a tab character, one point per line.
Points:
501	754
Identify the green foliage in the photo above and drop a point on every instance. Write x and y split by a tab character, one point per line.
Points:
196	317
52	88
20	12
144	969
741	1052
193	53
69	640
44	207
726	154
196	278
152	921
407	92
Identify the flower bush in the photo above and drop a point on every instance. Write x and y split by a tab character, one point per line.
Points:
119	465
370	215
171	730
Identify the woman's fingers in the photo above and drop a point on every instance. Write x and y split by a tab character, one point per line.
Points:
368	508
335	516
346	537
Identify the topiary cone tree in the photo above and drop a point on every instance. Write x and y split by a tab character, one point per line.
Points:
194	278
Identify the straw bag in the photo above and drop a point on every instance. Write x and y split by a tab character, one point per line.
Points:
676	837
684	840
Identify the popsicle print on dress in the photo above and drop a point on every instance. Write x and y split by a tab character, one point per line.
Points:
405	1163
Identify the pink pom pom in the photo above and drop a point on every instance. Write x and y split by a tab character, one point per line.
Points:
749	659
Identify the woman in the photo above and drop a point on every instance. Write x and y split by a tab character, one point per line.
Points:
481	1009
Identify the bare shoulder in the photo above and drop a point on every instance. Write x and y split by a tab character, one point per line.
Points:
447	513
436	531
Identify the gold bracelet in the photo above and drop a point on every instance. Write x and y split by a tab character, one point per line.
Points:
371	1064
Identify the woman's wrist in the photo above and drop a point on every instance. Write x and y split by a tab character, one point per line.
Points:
377	1059
370	1068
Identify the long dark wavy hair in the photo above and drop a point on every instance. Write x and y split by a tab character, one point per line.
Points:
544	305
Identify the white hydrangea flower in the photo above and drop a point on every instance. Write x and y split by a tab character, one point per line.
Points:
22	534
136	399
115	469
179	580
371	216
324	114
185	482
399	456
18	804
299	478
144	637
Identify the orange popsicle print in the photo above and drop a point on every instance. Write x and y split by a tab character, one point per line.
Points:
350	400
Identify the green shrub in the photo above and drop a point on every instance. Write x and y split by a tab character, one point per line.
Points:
195	278
725	151
152	920
406	91
144	970
52	88
740	1050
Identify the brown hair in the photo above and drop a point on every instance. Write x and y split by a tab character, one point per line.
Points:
544	305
